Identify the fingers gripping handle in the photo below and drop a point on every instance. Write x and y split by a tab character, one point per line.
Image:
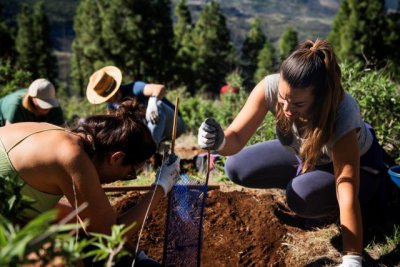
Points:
168	174
211	136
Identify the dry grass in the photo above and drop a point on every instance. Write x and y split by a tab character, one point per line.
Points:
312	248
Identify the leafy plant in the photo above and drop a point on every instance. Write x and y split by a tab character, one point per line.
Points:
41	241
379	100
13	202
12	78
38	241
109	247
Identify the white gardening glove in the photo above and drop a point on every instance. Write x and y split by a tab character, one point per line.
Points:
351	261
211	136
152	110
168	174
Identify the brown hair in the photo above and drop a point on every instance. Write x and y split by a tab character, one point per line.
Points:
122	130
313	65
27	103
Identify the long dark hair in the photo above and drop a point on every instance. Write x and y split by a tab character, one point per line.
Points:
313	65
121	130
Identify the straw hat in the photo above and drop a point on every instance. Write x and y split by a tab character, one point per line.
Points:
103	84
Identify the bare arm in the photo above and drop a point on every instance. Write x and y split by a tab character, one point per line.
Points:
346	160
100	214
153	89
86	187
137	213
246	122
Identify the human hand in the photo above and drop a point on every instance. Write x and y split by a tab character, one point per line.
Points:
152	110
168	174
211	136
351	261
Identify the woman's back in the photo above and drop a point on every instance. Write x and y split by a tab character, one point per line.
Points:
52	162
34	151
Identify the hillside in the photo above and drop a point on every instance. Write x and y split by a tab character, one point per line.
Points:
311	18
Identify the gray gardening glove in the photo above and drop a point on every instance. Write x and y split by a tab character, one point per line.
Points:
211	136
351	261
152	110
168	174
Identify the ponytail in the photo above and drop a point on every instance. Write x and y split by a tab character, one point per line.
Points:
313	65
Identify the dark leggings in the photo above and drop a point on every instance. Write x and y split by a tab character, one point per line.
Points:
311	195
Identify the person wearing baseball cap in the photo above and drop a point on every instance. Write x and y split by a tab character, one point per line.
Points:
105	86
37	103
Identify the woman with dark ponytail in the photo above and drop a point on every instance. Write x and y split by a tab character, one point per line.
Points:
325	156
51	162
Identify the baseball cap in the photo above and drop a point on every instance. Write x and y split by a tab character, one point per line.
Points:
44	92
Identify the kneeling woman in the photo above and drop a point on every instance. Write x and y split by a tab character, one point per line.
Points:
52	162
325	156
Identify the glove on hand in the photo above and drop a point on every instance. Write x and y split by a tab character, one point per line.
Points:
351	261
152	110
168	174
211	136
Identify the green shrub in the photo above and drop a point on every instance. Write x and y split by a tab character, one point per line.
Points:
11	78
13	203
379	100
48	241
16	244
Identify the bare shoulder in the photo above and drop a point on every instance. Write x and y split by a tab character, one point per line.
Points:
75	163
70	150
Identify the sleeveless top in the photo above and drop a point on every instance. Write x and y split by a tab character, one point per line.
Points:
41	201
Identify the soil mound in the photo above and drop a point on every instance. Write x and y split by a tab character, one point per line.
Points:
239	228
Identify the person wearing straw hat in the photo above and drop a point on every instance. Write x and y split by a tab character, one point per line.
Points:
38	103
105	86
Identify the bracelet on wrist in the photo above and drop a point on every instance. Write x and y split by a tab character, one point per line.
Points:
354	253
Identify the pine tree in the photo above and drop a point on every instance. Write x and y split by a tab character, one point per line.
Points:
359	30
214	53
183	47
266	61
87	46
134	35
138	36
25	47
287	43
7	39
46	62
33	45
183	25
392	42
336	35
251	47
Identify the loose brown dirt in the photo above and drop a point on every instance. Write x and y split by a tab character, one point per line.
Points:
244	227
240	228
250	228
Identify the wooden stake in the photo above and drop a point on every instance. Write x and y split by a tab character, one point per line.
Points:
174	125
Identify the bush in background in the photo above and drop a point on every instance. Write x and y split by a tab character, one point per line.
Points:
75	108
11	78
379	100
